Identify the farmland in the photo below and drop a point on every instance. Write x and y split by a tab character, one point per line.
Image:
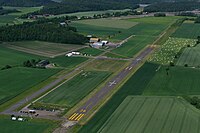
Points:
14	58
67	62
188	30
75	89
18	80
42	48
121	24
31	126
165	114
167	52
13	17
90	51
178	81
134	86
134	45
190	56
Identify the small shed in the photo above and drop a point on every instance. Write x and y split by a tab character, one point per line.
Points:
94	40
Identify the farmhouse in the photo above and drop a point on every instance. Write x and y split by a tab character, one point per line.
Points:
94	40
43	63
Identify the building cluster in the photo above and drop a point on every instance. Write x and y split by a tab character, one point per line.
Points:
96	42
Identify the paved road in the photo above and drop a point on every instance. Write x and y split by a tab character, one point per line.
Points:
93	101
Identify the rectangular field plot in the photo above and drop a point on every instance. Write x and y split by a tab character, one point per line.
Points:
134	45
152	115
170	49
188	30
112	23
15	81
190	57
30	126
42	48
178	81
13	58
75	89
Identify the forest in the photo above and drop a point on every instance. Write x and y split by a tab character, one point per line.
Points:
174	6
42	30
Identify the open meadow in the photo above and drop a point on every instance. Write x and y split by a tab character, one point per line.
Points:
40	48
190	57
188	30
174	81
170	50
13	57
71	92
134	45
91	51
30	126
12	18
17	80
152	115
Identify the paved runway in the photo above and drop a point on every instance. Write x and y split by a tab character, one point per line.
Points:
93	101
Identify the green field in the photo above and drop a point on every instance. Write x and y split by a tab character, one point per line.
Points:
111	23
190	56
75	89
67	62
42	48
167	52
91	51
13	58
134	86
30	126
106	65
188	30
99	31
12	18
179	81
134	45
153	115
18	80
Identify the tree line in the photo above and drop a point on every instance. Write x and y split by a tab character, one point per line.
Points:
172	6
6	11
43	30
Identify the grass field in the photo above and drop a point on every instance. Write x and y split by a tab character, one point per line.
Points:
190	56
17	80
112	23
42	48
188	30
134	45
12	18
152	115
67	62
99	31
75	89
106	65
179	81
167	52
91	51
13	58
31	126
134	86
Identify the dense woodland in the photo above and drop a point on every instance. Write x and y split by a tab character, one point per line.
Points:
172	6
43	30
25	3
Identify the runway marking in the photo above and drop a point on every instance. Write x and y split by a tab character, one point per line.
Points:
76	114
72	116
77	117
130	68
80	117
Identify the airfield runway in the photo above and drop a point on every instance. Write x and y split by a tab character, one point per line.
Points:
94	100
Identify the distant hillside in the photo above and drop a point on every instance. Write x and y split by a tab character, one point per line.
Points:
25	3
